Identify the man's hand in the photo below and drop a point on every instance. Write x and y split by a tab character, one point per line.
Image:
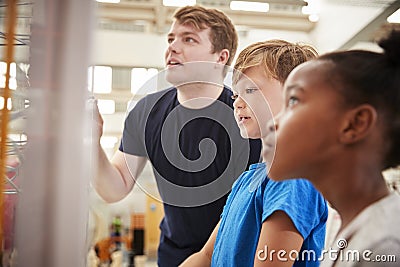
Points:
97	119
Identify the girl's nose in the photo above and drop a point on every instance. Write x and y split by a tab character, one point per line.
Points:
272	125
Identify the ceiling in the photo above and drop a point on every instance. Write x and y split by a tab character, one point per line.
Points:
153	16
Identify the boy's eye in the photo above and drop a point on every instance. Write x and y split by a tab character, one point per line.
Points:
250	90
234	96
170	40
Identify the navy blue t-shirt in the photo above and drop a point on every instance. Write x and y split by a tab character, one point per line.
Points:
196	155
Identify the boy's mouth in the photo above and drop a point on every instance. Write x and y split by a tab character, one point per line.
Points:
243	118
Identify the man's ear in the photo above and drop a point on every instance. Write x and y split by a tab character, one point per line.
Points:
358	123
223	56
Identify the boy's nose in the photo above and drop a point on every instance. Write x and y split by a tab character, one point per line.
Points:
239	103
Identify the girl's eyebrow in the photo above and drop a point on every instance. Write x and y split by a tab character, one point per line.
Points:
293	87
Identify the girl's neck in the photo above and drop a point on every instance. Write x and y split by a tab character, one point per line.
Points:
351	194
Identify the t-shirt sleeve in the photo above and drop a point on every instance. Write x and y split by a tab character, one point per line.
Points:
133	135
299	200
235	187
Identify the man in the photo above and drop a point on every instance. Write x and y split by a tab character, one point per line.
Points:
188	133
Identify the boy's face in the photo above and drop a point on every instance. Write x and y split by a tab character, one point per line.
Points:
258	99
307	129
186	44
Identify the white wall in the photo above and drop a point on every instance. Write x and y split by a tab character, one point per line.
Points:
338	23
119	48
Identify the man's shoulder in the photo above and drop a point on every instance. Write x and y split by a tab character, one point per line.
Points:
226	96
166	94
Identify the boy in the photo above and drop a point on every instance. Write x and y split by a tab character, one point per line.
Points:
265	223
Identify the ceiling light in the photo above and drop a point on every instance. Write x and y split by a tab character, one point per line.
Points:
249	6
179	3
108	1
395	17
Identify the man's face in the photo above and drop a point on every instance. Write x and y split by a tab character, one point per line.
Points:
188	50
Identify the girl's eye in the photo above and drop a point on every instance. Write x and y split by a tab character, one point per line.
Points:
292	101
250	90
234	96
170	40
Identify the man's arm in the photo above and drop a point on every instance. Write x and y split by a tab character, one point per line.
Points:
114	179
203	257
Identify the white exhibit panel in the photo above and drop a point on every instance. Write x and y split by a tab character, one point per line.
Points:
52	213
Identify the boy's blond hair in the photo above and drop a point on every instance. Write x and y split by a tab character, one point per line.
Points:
277	57
222	32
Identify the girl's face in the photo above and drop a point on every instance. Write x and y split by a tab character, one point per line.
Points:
257	98
307	128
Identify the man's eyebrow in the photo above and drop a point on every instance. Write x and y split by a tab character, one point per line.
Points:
189	33
183	33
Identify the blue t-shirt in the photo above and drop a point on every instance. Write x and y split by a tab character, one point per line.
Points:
254	197
196	155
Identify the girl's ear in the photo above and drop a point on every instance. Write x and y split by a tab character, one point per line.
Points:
223	56
358	124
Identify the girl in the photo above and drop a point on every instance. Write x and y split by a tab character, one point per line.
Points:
340	129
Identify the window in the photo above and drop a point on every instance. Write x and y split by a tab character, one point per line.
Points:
139	77
13	75
100	79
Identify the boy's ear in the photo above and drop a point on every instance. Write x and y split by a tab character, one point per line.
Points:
357	124
223	56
